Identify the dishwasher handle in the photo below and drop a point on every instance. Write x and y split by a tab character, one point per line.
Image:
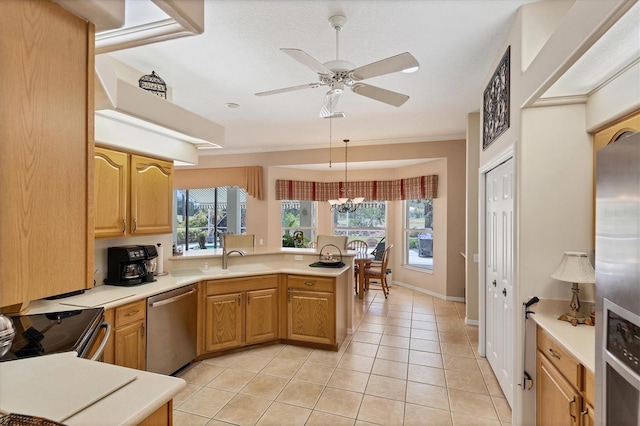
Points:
173	299
104	341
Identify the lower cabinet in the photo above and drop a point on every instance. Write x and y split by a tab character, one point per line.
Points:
127	348
565	387
240	311
311	309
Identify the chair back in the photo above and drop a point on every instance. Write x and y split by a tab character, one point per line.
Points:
339	241
378	252
238	241
385	258
358	245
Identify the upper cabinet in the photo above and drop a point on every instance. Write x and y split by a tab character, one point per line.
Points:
133	194
46	151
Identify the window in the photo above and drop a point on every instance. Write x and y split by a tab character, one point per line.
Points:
203	215
419	233
298	223
368	223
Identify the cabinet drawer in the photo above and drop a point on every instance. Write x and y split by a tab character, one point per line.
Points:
310	283
568	366
131	312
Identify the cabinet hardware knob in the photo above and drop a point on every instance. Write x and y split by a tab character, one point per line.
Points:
124	226
289	295
571	403
553	354
135	225
128	314
142	330
309	283
239	299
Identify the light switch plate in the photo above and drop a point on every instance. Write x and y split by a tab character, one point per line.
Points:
475	258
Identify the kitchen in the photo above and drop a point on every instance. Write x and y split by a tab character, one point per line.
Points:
44	269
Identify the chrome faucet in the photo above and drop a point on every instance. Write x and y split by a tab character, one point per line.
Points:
225	256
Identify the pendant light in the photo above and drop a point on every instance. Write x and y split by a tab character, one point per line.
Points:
345	204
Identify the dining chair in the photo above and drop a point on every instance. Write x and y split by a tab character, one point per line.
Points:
339	241
374	272
359	246
312	244
238	241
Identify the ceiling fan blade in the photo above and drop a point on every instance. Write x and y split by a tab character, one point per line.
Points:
329	103
383	95
289	89
396	63
305	59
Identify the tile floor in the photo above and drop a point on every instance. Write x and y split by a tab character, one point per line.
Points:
411	361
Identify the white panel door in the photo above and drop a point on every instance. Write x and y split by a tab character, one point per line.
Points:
499	237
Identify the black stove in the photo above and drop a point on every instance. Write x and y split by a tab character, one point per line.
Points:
54	332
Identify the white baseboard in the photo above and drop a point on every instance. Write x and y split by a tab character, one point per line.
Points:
471	322
430	293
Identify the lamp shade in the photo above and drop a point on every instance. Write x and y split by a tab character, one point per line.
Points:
575	268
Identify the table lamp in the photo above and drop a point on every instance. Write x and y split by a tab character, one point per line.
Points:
575	268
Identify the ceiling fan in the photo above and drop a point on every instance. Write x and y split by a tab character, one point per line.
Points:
338	73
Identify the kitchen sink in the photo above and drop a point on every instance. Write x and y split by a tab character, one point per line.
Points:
186	272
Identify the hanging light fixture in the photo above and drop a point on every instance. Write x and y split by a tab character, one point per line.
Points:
345	204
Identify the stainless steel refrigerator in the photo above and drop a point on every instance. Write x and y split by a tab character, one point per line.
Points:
617	264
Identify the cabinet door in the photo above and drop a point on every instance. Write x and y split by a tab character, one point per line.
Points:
588	415
130	345
111	180
558	403
262	315
310	316
151	196
223	322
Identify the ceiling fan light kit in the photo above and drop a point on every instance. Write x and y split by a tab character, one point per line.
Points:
338	74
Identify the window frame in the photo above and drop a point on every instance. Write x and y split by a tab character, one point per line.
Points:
407	237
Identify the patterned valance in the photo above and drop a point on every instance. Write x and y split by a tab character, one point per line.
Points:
380	190
248	177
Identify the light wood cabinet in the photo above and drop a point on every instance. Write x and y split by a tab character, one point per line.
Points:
133	194
239	312
565	388
311	309
46	134
127	346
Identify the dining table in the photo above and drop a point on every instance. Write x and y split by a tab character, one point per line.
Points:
362	260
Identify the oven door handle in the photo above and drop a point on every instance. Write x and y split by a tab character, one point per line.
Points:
100	349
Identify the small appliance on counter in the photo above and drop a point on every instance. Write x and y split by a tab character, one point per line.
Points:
130	265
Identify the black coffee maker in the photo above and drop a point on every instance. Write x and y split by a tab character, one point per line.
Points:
128	265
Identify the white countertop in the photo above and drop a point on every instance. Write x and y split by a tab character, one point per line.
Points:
182	274
137	393
580	340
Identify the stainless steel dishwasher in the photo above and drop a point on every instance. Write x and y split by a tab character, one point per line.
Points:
171	329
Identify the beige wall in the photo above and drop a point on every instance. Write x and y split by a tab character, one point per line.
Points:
447	279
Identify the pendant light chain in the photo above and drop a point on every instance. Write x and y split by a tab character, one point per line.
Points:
346	185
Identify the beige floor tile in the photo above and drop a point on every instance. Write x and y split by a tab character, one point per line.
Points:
453	337
318	418
428	359
493	386
222	360
458	349
184	394
200	374
397	331
428	375
417	333
361	348
243	410
459	363
249	362
371	327
212	422
502	408
393	354
325	358
470	403
340	402
399	322
419	415
428	395
313	373
282	367
424	325
425	345
301	394
355	381
395	341
374	319
400	314
294	352
419	308
424	317
383	367
188	419
268	351
366	337
460	419
284	414
206	402
265	386
466	381
386	387
446	311
381	411
356	363
231	380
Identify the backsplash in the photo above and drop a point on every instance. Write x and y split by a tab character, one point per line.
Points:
101	246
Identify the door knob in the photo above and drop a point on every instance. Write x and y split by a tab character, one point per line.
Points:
494	283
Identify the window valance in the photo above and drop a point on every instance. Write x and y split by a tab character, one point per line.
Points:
381	190
249	178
